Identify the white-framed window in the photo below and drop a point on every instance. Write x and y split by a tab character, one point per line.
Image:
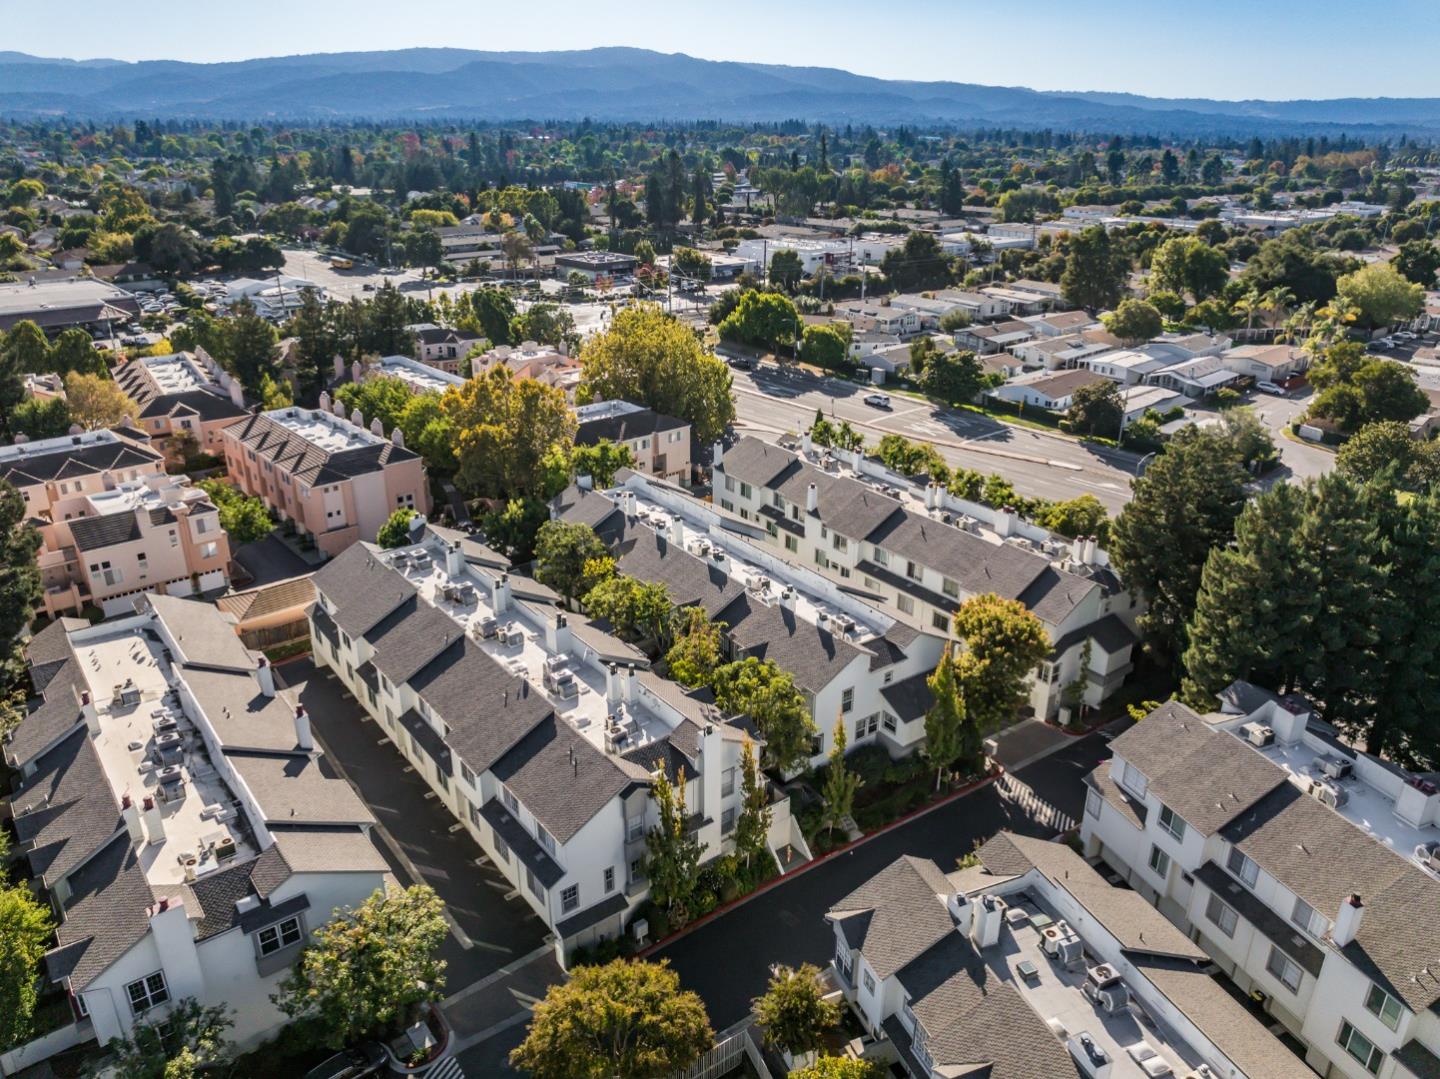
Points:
209	550
847	700
634	827
502	850
1361	1048
792	544
1243	867
1222	916
274	938
881	558
1093	803
1285	969
869	983
147	992
950	587
727	821
1309	919
1384	1007
940	620
545	839
1171	823
533	883
609	879
727	782
1133	780
888	721
914	571
466	774
839	542
905	603
511	802
1159	862
569	898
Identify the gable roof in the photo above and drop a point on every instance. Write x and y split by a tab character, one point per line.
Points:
69	462
362	588
106	915
308	462
105	530
66	810
897	915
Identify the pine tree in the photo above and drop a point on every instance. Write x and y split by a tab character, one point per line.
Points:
672	853
945	721
752	825
840	782
1257	602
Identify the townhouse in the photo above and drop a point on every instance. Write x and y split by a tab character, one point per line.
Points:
172	804
537	729
1027	963
337	480
182	392
658	444
442	347
917	554
112	523
418	377
1309	871
528	359
850	660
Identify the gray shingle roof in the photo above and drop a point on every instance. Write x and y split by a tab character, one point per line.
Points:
905	914
106	530
294	790
910	698
361	587
107	915
814	657
66	811
409	637
201	633
626	426
48	721
303	459
976	565
243	716
326	850
648	556
70	462
217	893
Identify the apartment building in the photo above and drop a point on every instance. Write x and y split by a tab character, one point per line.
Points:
852	661
173	806
538	730
918	554
336	479
1028	964
1309	871
442	347
184	391
418	377
659	444
529	359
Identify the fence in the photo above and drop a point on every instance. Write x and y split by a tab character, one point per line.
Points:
1033	806
726	1055
270	636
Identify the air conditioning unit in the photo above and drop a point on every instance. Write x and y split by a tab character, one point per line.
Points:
640	929
1105	989
1333	767
1328	793
1258	734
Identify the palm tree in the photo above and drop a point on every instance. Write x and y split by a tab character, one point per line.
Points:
1297	326
1249	305
1277	303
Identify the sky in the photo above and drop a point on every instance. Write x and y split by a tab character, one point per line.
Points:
1277	49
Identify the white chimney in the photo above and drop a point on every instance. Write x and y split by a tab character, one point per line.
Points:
627	679
131	812
339	408
500	598
154	822
787	598
265	675
1088	556
325	398
612	684
677	531
718	454
356	371
1004	522
237	393
377	428
1348	923
1077	550
558	638
807	444
303	738
397	436
989	913
812	499
357	419
90	712
454	557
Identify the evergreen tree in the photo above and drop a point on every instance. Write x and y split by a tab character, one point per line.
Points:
1095	272
945	722
752	824
316	344
251	346
840	782
672	853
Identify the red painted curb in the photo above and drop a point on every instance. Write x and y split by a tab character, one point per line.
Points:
785	878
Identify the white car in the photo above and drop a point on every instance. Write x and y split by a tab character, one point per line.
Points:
1404	335
1151	1062
1270	387
877	400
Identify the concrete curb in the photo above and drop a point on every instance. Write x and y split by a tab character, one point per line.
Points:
785	878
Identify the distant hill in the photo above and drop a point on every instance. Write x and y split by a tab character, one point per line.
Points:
636	85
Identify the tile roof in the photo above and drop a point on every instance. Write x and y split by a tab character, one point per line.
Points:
901	913
257	603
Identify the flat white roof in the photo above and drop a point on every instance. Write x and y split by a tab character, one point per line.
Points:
22	451
177	373
421	377
323	430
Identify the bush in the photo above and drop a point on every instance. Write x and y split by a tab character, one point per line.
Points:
869	763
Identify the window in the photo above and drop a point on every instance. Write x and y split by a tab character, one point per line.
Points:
840	543
466	774
1361	1048
148	992
274	938
1243	867
729	483
906	604
533	883
860	728
569	898
1092	803
842	962
913	571
727	821
609	879
1385	1007
511	802
940	621
546	839
727	782
777	501
209	550
1133	780
1159	861
869	983
1171	823
1221	916
847	700
201	526
881	558
1309	919
950	588
792	544
745	490
888	722
1283	968
634	827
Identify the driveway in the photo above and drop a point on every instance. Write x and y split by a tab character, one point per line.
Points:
488	932
268	560
727	961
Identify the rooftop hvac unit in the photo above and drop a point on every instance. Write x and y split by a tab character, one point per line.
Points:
1258	734
1333	767
225	847
486	627
1105	989
1328	793
1427	857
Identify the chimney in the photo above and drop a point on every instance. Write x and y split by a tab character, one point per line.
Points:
356	371
557	636
1348	923
787	598
1004	522
454	557
397	436
585	482
1077	550
613	689
131	812
1088	555
932	496
627	691
377	428
718	455
265	675
90	712
302	728
237	393
500	599
807	444
325	398
677	531
812	499
154	822
339	408
357	419
21	439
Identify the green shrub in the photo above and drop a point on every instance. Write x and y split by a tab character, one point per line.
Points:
869	763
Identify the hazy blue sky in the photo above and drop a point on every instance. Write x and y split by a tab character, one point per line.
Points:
1209	48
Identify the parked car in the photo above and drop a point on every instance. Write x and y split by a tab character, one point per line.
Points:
878	400
1404	335
1271	388
368	1059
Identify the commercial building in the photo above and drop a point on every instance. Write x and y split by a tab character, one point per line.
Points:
593	265
536	728
1027	964
336	479
62	304
182	392
174	807
918	553
658	444
1309	871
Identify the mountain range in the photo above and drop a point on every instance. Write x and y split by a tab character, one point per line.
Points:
637	85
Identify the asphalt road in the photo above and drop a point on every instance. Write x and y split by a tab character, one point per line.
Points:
727	961
1037	463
